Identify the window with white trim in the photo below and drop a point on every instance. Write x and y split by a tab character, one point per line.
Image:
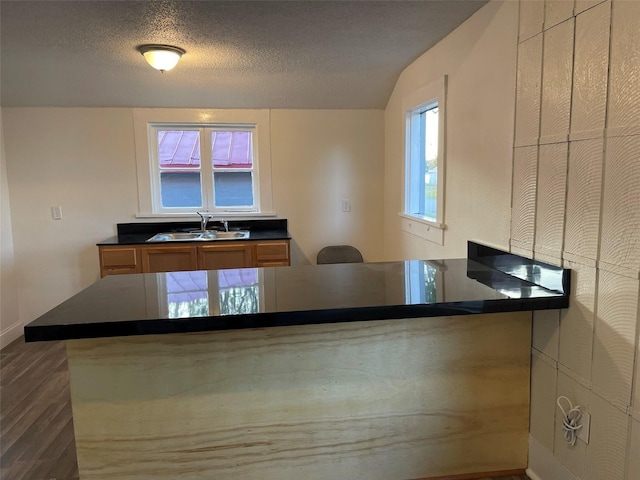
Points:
215	166
423	210
208	168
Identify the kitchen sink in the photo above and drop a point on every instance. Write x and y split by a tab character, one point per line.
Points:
201	236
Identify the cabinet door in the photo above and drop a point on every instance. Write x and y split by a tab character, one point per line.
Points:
169	259
224	255
273	253
118	260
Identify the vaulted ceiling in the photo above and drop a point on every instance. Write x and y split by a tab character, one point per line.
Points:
240	54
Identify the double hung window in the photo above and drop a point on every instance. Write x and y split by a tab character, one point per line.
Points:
204	168
222	167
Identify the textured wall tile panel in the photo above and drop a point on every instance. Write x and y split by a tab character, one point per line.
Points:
591	65
636	382
557	11
584	189
615	337
556	80
620	234
523	212
571	456
531	18
633	455
546	330
528	84
543	399
607	442
552	180
576	322
624	94
582	5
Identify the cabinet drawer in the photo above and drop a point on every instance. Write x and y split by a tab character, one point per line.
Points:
169	259
119	257
270	251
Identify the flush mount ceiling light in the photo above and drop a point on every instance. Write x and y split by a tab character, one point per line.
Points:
161	57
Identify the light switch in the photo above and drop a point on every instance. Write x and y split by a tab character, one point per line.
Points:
346	205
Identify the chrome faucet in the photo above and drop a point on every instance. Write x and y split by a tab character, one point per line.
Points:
225	224
204	219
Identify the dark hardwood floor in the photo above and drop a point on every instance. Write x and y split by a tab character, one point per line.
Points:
36	427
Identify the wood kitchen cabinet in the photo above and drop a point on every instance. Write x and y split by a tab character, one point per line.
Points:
169	258
224	255
272	253
120	259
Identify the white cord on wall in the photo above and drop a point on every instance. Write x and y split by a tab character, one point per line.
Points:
571	421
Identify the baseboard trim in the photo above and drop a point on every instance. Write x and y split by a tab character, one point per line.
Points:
8	335
476	475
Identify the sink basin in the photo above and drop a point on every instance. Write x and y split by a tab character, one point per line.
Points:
201	236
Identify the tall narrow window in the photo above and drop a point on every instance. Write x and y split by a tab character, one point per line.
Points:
423	212
422	180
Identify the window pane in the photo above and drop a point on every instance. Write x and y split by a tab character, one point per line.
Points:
231	149
180	189
179	149
430	139
179	162
233	189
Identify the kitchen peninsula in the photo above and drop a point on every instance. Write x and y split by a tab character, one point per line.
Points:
394	370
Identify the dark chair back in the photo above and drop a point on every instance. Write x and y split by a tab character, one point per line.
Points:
339	254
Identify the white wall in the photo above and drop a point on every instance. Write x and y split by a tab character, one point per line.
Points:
10	324
84	160
576	202
479	59
321	157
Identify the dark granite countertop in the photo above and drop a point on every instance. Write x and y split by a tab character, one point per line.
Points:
139	233
489	281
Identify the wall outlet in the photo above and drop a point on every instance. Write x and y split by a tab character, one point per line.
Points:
56	212
583	433
346	205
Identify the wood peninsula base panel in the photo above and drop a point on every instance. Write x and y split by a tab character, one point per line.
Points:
387	400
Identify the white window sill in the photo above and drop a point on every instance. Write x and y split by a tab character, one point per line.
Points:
423	228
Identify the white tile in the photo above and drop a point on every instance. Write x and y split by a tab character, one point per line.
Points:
620	233
576	322
557	11
591	63
615	336
605	456
571	456
556	81
584	193
633	455
624	94
543	399
531	18
582	5
543	465
552	180
546	330
528	85
635	411
523	212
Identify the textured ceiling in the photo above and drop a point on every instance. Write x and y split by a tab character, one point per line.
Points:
240	54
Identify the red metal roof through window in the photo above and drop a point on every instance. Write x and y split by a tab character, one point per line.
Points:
180	149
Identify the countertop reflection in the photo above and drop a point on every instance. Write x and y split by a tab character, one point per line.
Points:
196	301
